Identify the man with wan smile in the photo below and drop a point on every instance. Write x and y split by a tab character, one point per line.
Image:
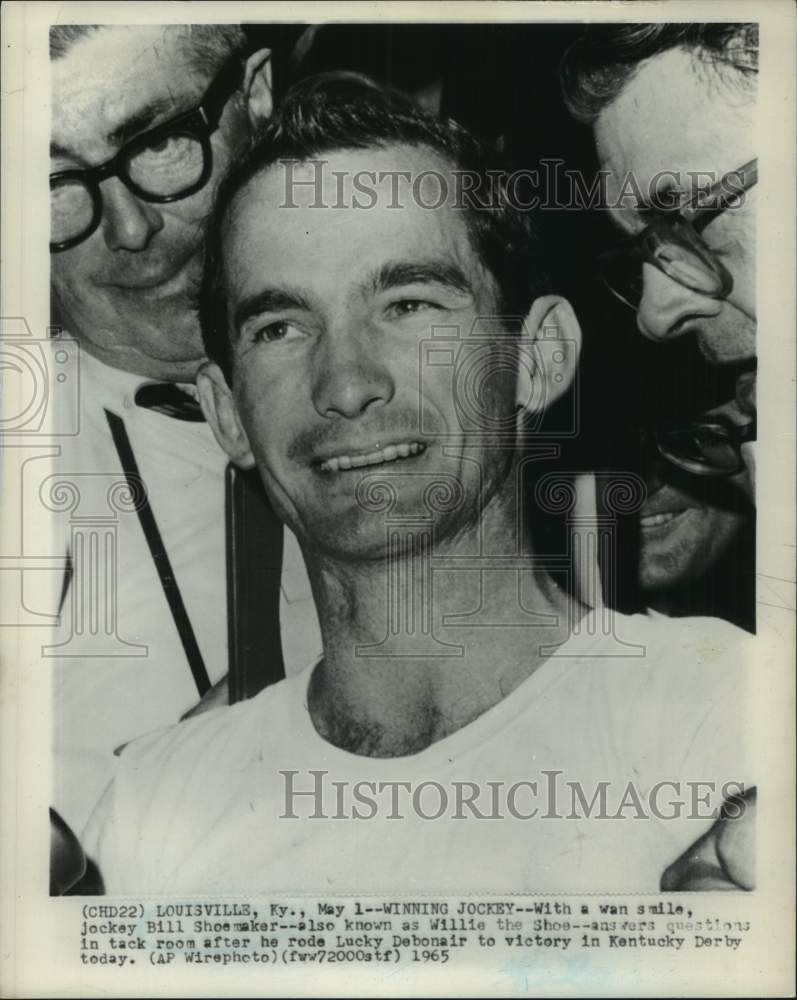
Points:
383	342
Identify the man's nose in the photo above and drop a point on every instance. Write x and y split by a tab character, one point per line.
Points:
128	222
351	376
665	304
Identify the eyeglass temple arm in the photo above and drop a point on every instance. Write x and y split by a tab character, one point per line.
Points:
228	80
720	196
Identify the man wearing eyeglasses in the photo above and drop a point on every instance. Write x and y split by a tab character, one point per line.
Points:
673	106
673	109
145	122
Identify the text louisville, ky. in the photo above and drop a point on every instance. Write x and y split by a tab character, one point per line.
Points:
388	930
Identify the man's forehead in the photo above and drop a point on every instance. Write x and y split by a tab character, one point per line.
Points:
303	213
402	174
109	75
413	185
676	114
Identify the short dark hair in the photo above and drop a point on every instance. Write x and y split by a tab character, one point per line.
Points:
601	62
348	111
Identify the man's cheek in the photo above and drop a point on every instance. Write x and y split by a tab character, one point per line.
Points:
69	287
225	153
188	219
69	271
749	459
743	294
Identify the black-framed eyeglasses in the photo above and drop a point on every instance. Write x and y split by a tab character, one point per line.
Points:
164	164
706	447
673	244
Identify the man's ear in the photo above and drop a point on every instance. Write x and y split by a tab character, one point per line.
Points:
218	406
551	346
257	87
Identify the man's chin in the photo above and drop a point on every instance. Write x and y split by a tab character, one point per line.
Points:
671	550
165	325
159	349
345	547
360	537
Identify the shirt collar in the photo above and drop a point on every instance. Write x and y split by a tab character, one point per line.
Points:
112	388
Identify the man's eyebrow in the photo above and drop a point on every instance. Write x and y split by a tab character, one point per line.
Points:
632	220
396	275
667	198
144	118
267	300
389	276
137	123
56	149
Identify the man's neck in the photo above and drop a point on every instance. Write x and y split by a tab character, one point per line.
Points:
419	644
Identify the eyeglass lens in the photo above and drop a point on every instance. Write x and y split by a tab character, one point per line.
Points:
171	165
622	272
684	265
72	209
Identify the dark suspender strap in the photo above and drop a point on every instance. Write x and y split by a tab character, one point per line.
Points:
254	573
159	555
66	582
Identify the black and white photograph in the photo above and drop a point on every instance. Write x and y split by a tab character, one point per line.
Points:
398	591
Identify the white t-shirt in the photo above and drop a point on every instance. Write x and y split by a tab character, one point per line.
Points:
111	688
207	806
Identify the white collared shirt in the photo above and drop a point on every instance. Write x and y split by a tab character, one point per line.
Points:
111	688
582	779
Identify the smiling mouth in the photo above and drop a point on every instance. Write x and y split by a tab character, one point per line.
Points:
650	521
379	456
